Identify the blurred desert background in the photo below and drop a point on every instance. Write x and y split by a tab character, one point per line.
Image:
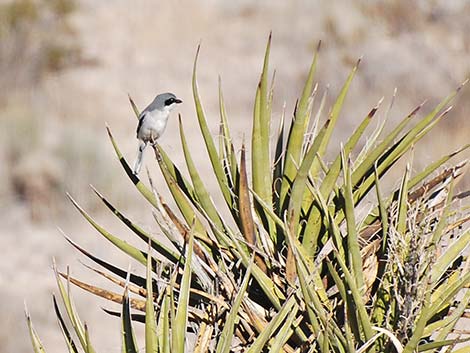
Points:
66	67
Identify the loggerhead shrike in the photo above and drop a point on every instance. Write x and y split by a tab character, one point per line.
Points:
152	123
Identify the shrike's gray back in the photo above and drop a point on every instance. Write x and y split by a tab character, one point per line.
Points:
160	101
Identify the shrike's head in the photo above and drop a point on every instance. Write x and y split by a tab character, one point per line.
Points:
164	102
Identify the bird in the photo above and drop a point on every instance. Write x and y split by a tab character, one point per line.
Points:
152	123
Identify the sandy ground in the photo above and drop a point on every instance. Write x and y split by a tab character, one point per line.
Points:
145	47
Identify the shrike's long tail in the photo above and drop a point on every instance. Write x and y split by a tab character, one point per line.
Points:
140	156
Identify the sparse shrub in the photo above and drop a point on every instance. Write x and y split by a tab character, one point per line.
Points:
295	269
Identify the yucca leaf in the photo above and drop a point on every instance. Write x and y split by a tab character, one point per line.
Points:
146	193
354	259
394	340
71	311
440	344
314	223
134	316
449	256
429	185
225	339
367	166
35	340
181	319
247	225
372	138
434	306
226	141
209	142
308	268
63	327
204	336
316	310
334	170
164	250
277	343
278	164
382	211
296	197
328	220
334	114
298	130
267	285
313	131
442	223
414	195
357	299
314	294
131	286
120	244
399	148
151	343
270	213
183	204
110	267
129	344
403	203
203	198
134	106
183	183
88	348
260	156
163	328
289	306
103	293
446	325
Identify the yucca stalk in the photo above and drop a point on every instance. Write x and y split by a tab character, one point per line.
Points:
297	270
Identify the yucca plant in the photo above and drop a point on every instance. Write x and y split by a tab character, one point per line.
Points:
294	259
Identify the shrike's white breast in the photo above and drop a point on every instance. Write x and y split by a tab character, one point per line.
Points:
153	125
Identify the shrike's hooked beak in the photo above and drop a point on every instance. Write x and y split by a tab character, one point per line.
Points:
178	101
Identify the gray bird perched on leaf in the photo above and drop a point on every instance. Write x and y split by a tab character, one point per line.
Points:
152	123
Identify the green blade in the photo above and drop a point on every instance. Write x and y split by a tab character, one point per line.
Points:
261	161
298	130
120	244
129	344
146	192
63	327
393	154
354	251
334	170
183	203
335	111
71	313
35	340
200	190
449	256
168	253
367	165
151	343
225	339
134	106
226	141
181	319
281	317
402	216
296	197
209	142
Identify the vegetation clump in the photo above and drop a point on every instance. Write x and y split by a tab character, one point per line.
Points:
286	263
